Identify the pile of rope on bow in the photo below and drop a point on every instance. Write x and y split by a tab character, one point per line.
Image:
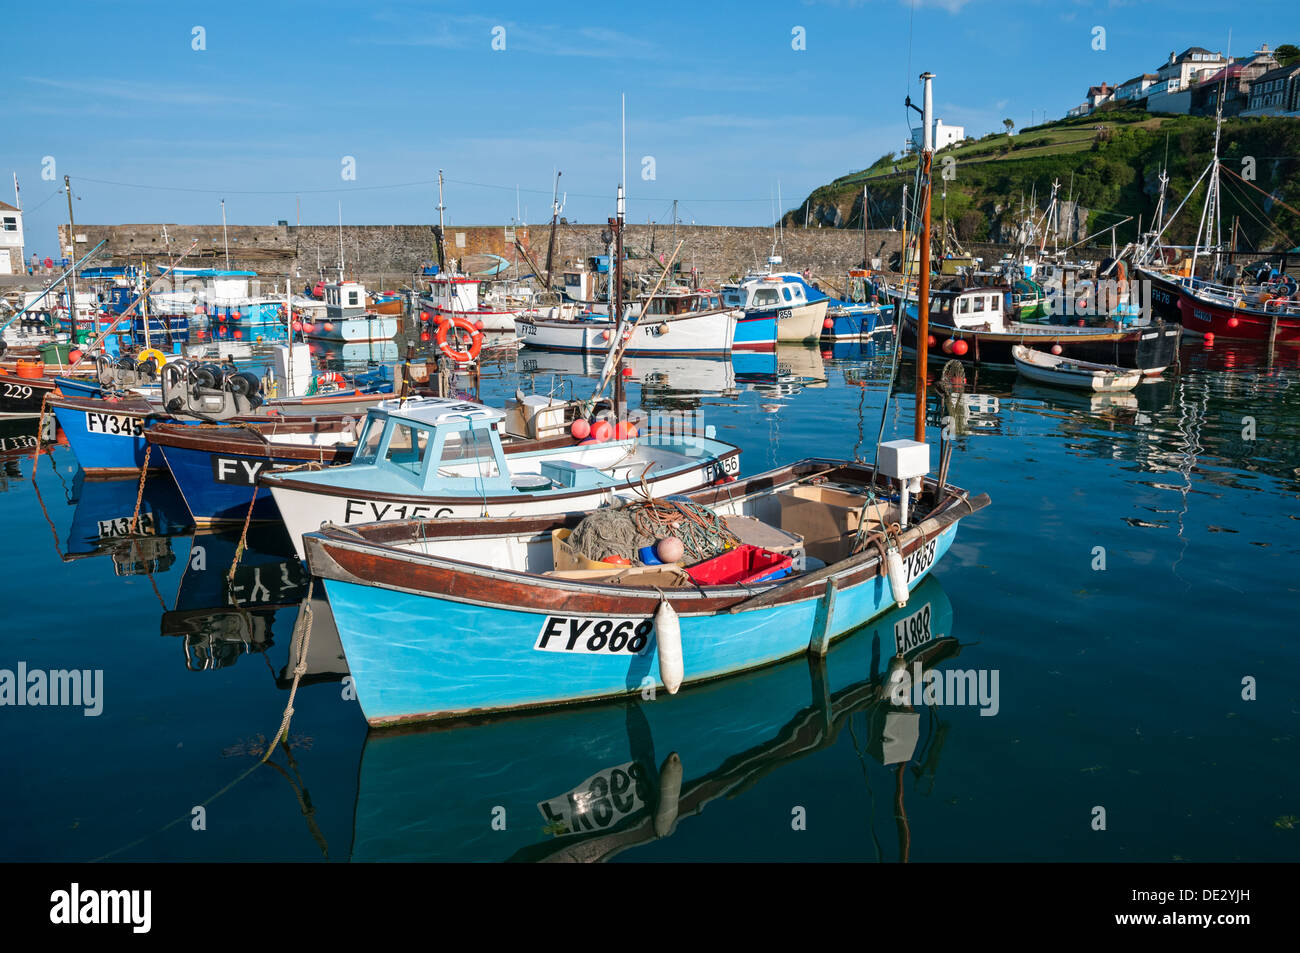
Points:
624	530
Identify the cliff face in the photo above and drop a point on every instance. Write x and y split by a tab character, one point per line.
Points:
1108	169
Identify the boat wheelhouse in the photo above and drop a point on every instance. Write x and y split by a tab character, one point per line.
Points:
348	320
437	457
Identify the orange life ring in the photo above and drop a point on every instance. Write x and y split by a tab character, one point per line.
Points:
475	340
331	380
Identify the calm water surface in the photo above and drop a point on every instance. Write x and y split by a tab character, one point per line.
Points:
1118	689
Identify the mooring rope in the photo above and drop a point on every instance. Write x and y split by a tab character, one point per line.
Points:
301	637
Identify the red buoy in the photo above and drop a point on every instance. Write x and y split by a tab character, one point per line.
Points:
221	318
627	371
424	336
329	325
930	341
1056	349
827	355
1233	322
947	346
479	324
580	429
604	335
237	334
828	324
1083	323
960	347
424	315
602	431
622	430
236	315
1209	339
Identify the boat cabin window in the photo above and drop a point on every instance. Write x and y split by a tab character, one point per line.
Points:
406	447
977	304
733	299
785	293
474	445
368	445
798	292
352	298
765	296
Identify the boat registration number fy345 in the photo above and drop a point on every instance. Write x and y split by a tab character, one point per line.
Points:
561	633
116	425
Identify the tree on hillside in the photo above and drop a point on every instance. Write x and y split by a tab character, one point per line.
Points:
1287	54
1009	125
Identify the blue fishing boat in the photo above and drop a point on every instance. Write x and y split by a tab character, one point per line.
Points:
491	622
107	433
217	467
589	782
445	458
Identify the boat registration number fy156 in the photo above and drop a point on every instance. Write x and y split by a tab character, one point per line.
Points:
560	633
116	425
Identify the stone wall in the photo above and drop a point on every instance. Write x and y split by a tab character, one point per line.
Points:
389	255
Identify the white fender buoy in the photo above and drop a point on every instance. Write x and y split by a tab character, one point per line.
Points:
670	791
668	634
897	575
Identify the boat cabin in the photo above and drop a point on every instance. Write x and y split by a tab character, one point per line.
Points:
674	301
345	299
973	308
449	292
774	291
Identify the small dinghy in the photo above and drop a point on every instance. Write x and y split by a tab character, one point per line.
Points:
1078	375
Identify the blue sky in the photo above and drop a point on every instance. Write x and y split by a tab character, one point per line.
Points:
153	130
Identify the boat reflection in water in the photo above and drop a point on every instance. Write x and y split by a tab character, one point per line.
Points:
103	517
588	782
220	618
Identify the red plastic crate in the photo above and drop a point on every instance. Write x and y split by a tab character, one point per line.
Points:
742	565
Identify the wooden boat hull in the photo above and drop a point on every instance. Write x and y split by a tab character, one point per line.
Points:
1149	349
108	436
491	640
1090	377
712	333
23	396
647	765
1236	324
217	469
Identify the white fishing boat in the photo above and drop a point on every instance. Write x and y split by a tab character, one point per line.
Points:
1078	375
437	457
347	320
673	321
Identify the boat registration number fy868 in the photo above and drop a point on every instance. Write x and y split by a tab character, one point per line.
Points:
116	425
913	631
560	633
920	559
600	801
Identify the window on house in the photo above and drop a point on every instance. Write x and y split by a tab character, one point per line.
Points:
11	223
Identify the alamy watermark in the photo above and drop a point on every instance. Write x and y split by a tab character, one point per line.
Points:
83	688
952	686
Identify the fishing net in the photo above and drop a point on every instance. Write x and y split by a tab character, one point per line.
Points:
625	530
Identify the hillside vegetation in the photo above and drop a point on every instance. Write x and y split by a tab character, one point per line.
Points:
1109	162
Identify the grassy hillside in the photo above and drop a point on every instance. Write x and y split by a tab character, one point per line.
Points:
1111	160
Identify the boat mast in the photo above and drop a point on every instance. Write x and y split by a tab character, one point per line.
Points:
1210	214
619	396
225	239
340	246
72	255
923	290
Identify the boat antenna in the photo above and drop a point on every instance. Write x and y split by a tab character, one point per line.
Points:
225	240
340	241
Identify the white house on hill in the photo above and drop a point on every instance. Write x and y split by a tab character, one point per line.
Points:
943	135
11	240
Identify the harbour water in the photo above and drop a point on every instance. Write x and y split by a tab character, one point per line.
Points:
1124	606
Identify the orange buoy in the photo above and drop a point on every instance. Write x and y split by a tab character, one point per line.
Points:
960	347
580	429
425	336
617	560
479	324
602	431
947	346
622	430
930	341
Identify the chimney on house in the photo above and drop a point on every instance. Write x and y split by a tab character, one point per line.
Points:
1172	56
